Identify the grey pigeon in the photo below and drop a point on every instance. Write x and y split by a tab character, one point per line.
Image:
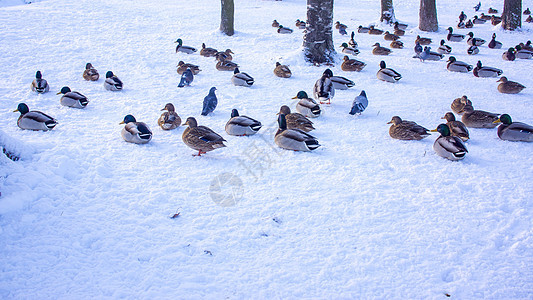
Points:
210	102
186	78
359	104
477	7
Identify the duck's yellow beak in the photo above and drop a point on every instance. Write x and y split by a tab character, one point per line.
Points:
389	122
442	118
16	110
121	122
497	121
295	97
58	93
433	130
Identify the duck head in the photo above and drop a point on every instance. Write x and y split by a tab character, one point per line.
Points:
109	74
443	129
22	108
64	90
128	119
191	122
301	95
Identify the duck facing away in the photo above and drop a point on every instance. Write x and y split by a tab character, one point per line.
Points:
351	65
514	131
457	128
201	138
72	99
90	73
169	119
39	85
323	89
135	132
296	120
406	130
242	125
112	83
509	87
387	74
34	120
185	49
458	66
307	106
241	79
448	146
459	103
294	139
478	118
282	71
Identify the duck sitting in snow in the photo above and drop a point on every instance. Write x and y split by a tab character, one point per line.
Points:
457	128
242	125
406	130
509	55
454	37
458	66
478	118
208	52
185	49
201	138
226	66
514	131
282	71
448	146
427	54
387	74
224	56
494	44
443	48
323	89
482	71
169	119
72	99
390	37
509	87
294	139
39	85
34	120
341	83
474	41
296	120
182	67
478	21
90	73
275	24
241	79
352	64
396	44
135	132
348	50
374	31
523	53
472	50
423	41
307	106
378	50
112	83
284	30
459	103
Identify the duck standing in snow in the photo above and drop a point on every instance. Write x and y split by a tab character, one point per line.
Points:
241	79
294	139
296	120
182	67
307	106
210	102
462	16
514	131
135	132
359	104
458	66
457	128
34	120
186	78
418	49
282	71
39	85
185	49
242	125
406	130
448	146
509	87
72	99
494	44
112	83
323	89
201	138
387	74
169	119
90	73
481	71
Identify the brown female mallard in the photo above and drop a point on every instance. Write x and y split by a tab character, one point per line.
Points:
406	130
201	138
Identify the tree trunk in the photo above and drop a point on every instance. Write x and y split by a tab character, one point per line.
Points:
318	38
428	16
512	14
227	16
387	12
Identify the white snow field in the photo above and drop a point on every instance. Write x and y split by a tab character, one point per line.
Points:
86	215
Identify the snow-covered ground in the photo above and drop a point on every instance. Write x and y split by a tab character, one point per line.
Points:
84	214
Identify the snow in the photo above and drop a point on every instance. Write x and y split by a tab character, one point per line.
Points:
84	214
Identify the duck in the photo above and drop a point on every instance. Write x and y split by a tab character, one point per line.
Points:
472	41
493	11
282	71
494	44
374	31
185	49
135	132
443	48
284	30
359	104
39	85
477	7
182	67
241	125
418	49
378	50
478	21
339	25
390	36
509	87
341	83
527	46
509	55
210	102
457	128
427	54
208	52
523	53
224	55
396	44
275	24
352	64
472	50
529	19
169	119
406	130
494	20
514	131
323	89
459	103
462	16
527	11
485	17
112	83
226	66
349	50
307	106
469	24
296	120
241	79
90	73
478	118
423	40
352	43
201	138
400	25
362	29
300	24
387	74
481	71
342	31
461	25
294	139
186	78
34	120
454	37
398	31
72	99
458	66
448	146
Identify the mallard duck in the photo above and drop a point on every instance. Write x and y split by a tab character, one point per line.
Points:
509	55
182	67
184	49
323	89
341	83
208	52
210	102
398	31
349	50
443	48
390	37
527	11
34	120
427	54
469	24
387	74
307	106
459	103
485	17
224	56
523	53
514	131
241	79
529	19
352	43
300	24
242	125
201	138
462	16
527	46
275	24
494	44
478	118
378	50
186	78
169	119
374	31
294	139
477	7
359	104
457	128
494	20
400	25
396	44
284	30
339	25
39	85
472	50
135	132
406	130
418	49
282	71
362	29
226	66
481	71
458	66
472	41
352	64
461	25
448	146
72	99
90	73
478	20
296	120
422	40
342	31
509	87
112	83
493	11
454	37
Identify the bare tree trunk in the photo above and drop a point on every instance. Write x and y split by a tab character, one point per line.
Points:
227	17
387	12
428	16
512	14
318	38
